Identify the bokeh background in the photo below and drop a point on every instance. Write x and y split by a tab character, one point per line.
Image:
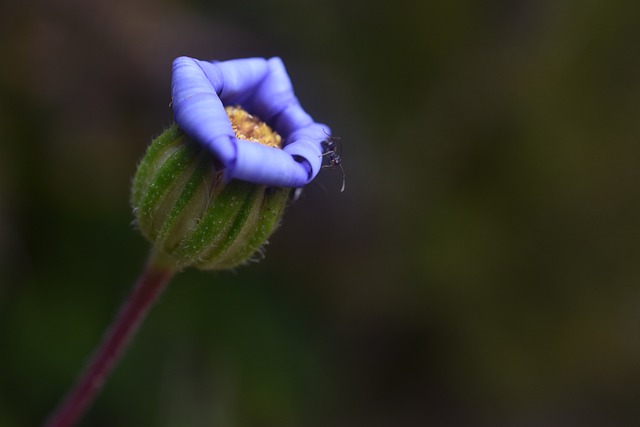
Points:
481	268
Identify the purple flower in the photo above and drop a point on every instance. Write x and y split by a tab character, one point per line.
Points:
202	89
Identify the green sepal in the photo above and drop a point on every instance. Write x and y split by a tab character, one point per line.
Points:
184	207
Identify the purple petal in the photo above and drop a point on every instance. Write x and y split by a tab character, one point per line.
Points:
270	166
240	78
199	111
293	117
306	143
201	89
294	166
274	94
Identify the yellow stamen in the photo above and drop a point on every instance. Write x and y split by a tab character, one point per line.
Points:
251	128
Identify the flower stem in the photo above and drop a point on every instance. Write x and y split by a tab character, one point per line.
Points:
149	286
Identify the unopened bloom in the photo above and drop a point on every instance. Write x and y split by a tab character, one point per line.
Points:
202	89
211	189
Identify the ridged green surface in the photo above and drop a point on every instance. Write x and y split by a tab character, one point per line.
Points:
182	206
258	231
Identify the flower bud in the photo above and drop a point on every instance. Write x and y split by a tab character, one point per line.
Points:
191	214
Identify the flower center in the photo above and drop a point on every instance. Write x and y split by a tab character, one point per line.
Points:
251	128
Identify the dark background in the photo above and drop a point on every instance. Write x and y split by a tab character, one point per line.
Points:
481	268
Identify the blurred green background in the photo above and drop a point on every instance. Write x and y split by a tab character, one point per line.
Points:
481	268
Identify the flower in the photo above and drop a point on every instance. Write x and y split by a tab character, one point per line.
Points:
200	92
219	214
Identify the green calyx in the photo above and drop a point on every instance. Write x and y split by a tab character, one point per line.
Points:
192	217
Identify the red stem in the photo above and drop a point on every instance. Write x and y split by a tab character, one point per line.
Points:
150	285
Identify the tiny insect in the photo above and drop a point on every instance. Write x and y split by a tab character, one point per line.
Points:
330	152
